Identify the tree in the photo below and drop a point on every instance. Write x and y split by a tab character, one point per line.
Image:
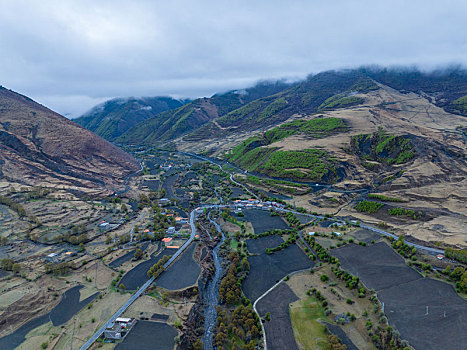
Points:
267	317
198	345
122	287
124	208
138	254
457	273
16	268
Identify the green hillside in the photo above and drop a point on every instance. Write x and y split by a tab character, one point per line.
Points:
383	147
172	124
305	97
304	165
112	118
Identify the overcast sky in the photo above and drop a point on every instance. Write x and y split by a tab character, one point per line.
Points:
70	55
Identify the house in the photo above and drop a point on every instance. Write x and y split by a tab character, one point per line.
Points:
170	230
120	328
311	233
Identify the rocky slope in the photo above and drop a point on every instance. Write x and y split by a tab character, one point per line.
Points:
42	148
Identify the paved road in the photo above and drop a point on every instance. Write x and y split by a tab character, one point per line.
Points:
144	287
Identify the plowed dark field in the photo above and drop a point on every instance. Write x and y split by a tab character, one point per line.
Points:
149	335
182	274
266	270
428	313
262	221
279	331
137	276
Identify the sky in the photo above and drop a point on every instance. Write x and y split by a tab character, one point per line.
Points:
71	55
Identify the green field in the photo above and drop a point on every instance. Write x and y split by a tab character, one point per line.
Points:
308	331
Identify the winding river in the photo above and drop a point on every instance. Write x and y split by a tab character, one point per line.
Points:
212	293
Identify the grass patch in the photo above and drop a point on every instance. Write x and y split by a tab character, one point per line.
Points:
309	164
385	198
308	330
317	128
405	212
280	185
461	104
340	101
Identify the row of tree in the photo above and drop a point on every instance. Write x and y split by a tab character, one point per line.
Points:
158	267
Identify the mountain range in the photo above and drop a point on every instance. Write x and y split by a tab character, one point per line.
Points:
265	105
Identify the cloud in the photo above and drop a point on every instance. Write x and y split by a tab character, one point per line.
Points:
70	54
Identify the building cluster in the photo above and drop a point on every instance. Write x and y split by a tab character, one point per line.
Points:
119	328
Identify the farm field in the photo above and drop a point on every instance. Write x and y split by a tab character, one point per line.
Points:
183	273
377	265
153	185
123	259
138	275
266	270
279	331
259	245
60	314
364	235
168	185
428	313
262	221
149	335
237	192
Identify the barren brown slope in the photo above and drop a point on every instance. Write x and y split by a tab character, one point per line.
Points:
41	147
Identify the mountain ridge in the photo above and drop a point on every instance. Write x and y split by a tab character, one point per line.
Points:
112	118
41	147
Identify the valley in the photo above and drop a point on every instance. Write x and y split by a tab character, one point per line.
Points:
299	215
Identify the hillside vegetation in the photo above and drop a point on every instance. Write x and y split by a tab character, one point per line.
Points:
303	98
461	104
383	147
112	118
303	165
171	124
